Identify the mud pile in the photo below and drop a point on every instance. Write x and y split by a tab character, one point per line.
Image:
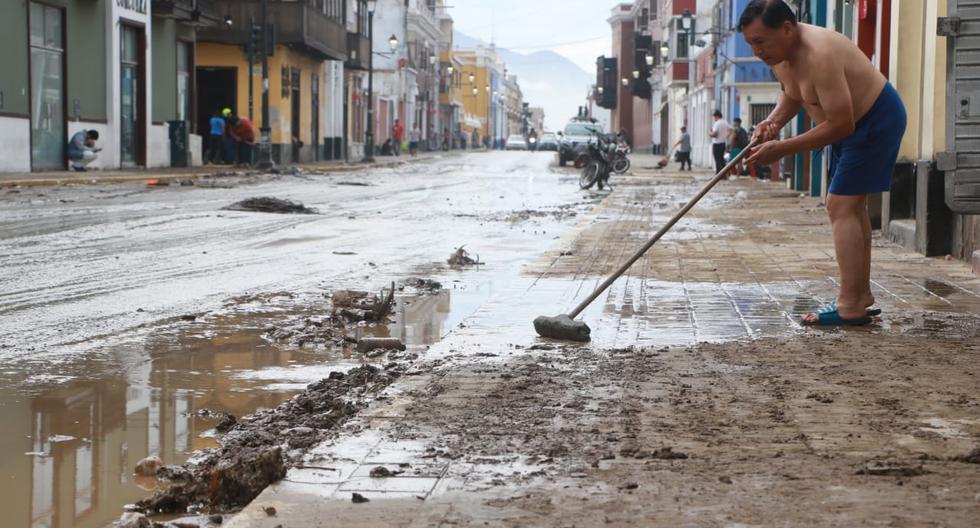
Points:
461	257
309	331
259	449
270	205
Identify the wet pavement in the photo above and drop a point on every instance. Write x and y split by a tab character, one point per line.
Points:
700	402
134	316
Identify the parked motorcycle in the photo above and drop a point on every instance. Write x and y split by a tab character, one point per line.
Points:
597	170
620	160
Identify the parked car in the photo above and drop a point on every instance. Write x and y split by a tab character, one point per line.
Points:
548	141
577	135
515	142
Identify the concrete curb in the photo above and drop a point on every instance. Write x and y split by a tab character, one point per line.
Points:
96	178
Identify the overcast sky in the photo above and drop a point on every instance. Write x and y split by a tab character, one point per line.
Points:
576	29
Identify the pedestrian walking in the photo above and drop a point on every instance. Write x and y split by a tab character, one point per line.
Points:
858	113
82	150
683	147
216	139
738	139
397	132
414	136
719	133
243	132
445	139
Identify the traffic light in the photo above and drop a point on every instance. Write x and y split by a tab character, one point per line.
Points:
261	41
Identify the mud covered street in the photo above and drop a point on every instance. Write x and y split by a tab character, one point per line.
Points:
700	401
134	318
157	322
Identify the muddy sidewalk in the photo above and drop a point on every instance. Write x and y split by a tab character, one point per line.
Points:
700	402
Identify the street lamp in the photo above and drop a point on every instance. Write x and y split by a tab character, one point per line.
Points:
229	21
649	58
601	89
369	132
472	79
393	43
475	91
450	69
636	74
664	50
625	81
686	20
488	88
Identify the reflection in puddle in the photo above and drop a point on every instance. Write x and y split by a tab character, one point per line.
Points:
72	439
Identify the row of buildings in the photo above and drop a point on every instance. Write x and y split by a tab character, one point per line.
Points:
674	62
149	74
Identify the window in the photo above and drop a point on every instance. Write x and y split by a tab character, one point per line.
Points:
760	112
681	39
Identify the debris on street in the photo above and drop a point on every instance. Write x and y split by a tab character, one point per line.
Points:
270	205
369	344
461	257
260	448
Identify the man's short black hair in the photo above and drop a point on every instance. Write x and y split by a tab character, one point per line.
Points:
93	134
717	113
737	120
772	12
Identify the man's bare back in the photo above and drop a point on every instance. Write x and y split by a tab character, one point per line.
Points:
820	47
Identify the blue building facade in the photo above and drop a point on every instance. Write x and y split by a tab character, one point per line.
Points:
744	85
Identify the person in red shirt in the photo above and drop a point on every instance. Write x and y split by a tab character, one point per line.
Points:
243	132
397	132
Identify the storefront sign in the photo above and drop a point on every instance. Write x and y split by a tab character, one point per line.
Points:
138	6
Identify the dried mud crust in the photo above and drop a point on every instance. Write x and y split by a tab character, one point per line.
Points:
259	449
266	204
716	431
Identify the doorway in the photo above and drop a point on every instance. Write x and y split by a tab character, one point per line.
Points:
295	112
315	115
216	90
48	121
132	101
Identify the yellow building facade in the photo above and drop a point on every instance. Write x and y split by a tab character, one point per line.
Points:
295	94
476	94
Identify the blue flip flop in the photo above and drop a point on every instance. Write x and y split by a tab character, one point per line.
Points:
828	316
874	312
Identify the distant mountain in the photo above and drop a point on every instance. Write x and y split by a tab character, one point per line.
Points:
547	79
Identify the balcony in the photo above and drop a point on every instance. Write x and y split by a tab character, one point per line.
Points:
298	24
201	13
358	51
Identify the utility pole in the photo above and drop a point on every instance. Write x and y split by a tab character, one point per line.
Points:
369	132
265	143
252	45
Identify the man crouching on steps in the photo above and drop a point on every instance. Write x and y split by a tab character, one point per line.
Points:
857	112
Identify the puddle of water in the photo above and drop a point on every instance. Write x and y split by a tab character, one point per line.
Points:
73	439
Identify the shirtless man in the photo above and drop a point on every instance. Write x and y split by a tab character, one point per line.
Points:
857	112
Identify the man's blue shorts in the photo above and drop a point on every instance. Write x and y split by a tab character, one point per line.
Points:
864	162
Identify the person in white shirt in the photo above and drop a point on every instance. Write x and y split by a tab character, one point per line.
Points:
720	131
